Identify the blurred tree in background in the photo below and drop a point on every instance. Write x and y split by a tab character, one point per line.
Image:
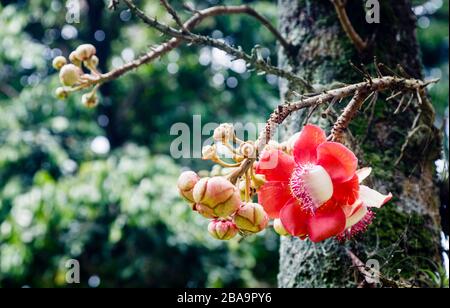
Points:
99	185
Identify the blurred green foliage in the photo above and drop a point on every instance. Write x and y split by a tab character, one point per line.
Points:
67	192
118	213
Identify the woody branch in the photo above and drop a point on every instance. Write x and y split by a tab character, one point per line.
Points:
184	35
359	93
346	24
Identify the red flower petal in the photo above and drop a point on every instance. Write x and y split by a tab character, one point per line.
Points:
327	222
346	193
273	196
339	161
275	165
294	219
305	148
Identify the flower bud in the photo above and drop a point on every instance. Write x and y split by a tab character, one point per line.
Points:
242	186
204	211
59	62
89	100
186	183
70	75
248	149
216	170
73	57
209	152
258	180
222	229
251	217
203	173
85	52
279	228
92	62
224	133
216	197
61	93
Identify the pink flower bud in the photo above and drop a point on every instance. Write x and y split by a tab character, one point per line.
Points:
251	217
216	197
222	229
186	183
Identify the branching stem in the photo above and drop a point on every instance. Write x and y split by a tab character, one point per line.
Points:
359	43
359	91
184	35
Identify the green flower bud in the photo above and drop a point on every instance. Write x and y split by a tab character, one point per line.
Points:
89	100
61	93
251	217
279	228
59	62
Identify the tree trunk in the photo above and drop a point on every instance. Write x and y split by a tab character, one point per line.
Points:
405	236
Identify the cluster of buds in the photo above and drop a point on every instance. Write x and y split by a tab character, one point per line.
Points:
216	198
229	205
73	77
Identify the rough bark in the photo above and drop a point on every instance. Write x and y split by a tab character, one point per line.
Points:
405	235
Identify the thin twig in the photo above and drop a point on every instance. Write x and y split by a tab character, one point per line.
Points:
310	113
408	104
389	70
113	4
360	45
400	104
174	14
386	282
265	22
377	68
372	104
394	96
259	64
180	37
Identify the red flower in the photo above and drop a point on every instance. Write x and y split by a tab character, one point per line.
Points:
316	192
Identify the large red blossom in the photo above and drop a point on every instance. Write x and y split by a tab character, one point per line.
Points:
316	193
